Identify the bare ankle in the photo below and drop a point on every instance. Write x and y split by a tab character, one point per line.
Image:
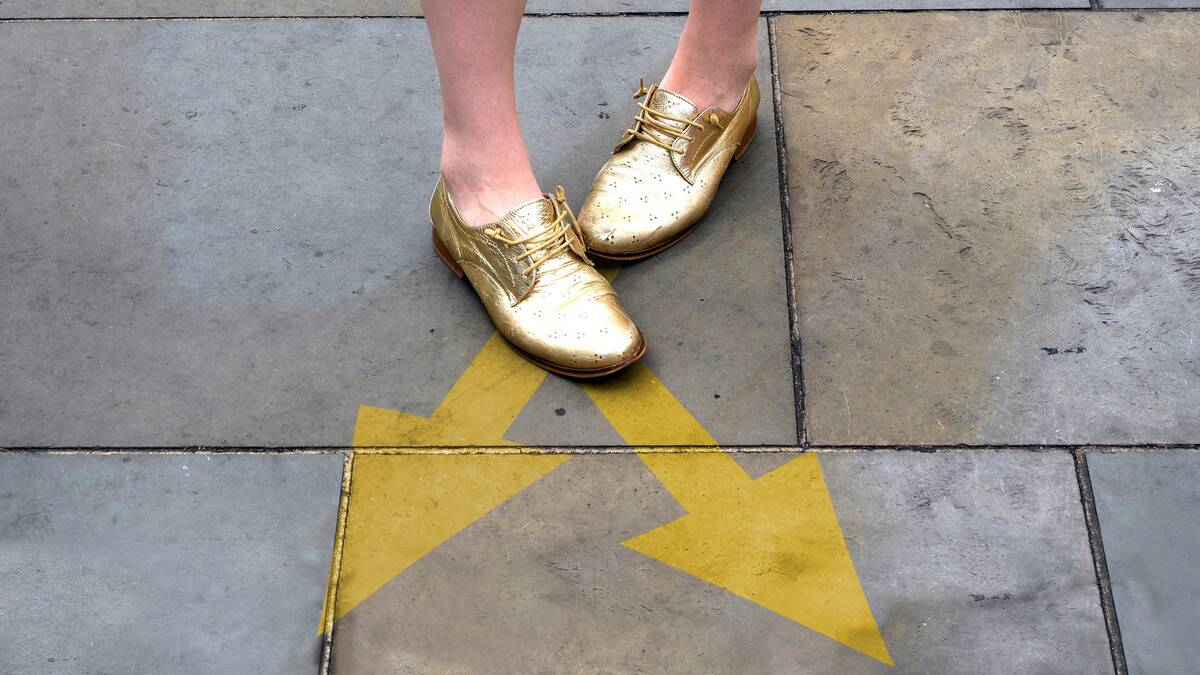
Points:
717	53
708	79
485	187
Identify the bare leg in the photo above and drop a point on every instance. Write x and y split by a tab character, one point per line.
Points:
717	52
484	161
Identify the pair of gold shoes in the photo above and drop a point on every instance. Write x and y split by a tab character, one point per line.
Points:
531	268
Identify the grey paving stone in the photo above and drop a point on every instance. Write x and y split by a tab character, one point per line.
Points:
58	9
1148	504
259	8
216	232
137	563
972	563
981	559
995	230
560	409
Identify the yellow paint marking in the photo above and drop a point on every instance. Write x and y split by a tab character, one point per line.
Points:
407	505
775	541
478	410
339	540
404	506
639	406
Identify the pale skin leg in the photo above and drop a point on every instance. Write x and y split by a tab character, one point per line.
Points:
717	52
484	159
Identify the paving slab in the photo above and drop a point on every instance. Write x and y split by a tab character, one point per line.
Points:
1148	504
216	233
965	562
115	9
156	563
59	9
994	225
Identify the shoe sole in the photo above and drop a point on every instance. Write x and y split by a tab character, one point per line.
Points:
743	145
444	254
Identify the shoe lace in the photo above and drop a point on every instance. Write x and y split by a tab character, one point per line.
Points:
559	236
650	119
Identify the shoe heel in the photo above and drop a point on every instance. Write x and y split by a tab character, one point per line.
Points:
444	254
746	138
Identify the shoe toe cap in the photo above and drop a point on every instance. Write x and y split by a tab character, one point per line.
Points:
594	334
614	338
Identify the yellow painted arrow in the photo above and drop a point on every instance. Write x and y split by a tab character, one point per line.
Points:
775	541
406	505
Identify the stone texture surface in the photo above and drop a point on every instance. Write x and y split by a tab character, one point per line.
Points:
216	233
59	9
995	225
972	562
316	8
139	563
1148	503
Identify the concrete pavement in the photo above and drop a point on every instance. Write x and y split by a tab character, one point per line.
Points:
920	392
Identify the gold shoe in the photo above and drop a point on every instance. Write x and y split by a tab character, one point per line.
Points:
532	273
664	172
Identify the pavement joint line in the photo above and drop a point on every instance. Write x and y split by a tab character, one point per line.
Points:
607	449
1094	6
693	450
177	450
796	352
335	567
1123	449
1091	520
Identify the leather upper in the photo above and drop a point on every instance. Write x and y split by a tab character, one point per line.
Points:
562	311
646	195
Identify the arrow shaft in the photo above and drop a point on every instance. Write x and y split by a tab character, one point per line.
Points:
490	393
644	412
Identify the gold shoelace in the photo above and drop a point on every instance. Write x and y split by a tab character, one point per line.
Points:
656	120
552	241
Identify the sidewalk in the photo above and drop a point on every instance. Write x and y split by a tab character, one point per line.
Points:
920	397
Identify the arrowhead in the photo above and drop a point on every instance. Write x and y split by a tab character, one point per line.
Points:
774	541
407	504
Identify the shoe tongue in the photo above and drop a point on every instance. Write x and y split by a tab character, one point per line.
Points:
530	218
